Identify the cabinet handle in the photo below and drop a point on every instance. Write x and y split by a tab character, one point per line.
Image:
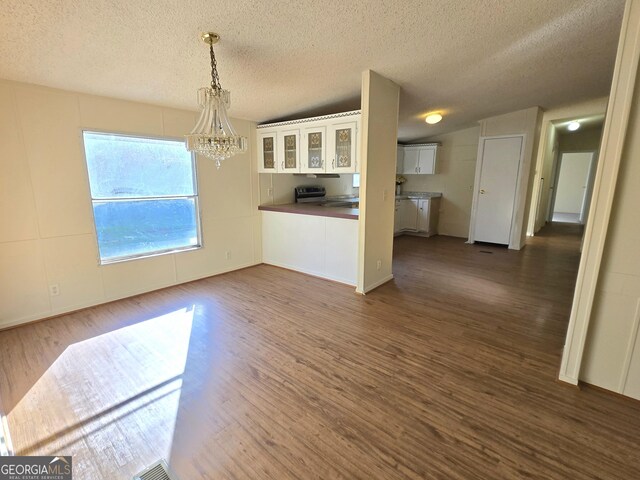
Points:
321	163
419	169
333	164
416	169
282	164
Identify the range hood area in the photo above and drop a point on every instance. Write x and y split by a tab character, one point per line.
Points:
317	175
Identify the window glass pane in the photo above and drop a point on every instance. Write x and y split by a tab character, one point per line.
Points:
128	167
356	179
141	227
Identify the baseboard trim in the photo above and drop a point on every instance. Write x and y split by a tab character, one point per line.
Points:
80	308
379	283
566	379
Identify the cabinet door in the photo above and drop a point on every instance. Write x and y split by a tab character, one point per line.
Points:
409	209
427	160
342	147
400	159
411	160
424	207
314	150
267	149
289	151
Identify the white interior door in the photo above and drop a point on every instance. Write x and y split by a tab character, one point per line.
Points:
571	187
498	179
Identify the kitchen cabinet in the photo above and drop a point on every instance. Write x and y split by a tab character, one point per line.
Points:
419	159
288	149
327	144
417	215
409	214
342	147
423	214
314	149
267	143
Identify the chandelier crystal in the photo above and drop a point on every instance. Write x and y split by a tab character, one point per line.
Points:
214	136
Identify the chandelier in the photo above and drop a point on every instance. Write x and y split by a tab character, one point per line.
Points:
213	136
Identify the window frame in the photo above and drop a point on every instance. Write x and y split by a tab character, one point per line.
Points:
195	197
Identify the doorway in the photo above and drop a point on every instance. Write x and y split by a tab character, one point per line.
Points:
573	181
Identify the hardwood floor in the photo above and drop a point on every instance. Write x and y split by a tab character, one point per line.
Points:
448	372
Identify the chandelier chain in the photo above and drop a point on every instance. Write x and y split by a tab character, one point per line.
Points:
215	79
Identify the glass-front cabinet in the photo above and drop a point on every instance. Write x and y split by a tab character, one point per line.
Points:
267	152
289	151
342	141
326	144
314	148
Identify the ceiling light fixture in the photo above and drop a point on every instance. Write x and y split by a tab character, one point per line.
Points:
433	118
573	126
213	136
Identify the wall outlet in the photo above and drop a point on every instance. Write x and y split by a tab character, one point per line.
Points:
378	264
227	255
54	290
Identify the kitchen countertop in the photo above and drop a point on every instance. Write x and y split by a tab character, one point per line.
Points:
405	195
309	209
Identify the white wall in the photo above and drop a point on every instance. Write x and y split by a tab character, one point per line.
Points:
380	100
282	185
456	166
47	234
572	182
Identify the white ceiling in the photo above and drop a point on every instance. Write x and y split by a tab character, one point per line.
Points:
471	59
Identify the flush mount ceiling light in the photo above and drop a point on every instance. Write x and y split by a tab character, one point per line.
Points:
573	126
433	118
213	136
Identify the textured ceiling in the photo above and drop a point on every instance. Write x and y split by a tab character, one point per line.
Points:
470	59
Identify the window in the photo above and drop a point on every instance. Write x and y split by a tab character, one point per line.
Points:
144	195
356	180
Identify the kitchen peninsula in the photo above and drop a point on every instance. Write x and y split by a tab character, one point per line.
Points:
320	240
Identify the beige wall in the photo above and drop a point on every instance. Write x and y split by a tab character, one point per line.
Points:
527	122
587	140
47	234
455	172
380	100
612	352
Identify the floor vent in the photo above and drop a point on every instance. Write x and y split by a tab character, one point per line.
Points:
157	471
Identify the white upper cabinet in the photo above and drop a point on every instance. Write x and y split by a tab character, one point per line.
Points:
411	160
419	159
314	149
342	147
267	158
326	144
289	151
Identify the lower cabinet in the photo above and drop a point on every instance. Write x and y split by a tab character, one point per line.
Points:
409	214
322	246
417	215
